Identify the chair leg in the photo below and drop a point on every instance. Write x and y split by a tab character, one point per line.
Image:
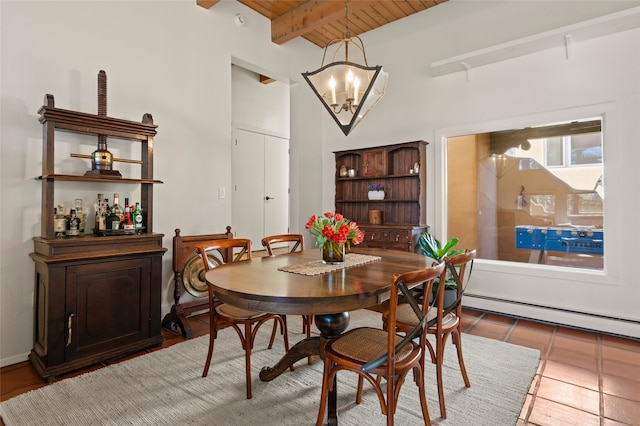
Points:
359	391
213	333
439	361
273	333
325	392
458	342
209	355
418	375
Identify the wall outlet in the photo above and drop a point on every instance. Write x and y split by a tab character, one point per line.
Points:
222	192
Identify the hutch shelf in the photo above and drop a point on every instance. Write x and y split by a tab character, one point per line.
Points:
96	297
402	213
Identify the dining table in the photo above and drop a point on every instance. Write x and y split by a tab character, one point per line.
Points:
300	283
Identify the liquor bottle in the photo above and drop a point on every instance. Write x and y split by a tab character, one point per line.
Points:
59	221
80	214
137	217
73	224
113	220
127	224
97	211
117	208
104	212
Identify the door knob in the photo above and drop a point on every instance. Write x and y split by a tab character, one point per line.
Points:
269	198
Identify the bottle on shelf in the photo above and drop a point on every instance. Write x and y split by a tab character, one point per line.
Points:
113	220
73	224
137	216
104	212
80	214
127	224
117	208
59	221
97	211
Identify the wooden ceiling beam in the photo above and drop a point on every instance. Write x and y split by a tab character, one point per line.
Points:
207	4
309	17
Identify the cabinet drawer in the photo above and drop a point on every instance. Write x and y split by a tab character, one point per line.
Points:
388	235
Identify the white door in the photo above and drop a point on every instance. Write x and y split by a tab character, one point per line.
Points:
260	203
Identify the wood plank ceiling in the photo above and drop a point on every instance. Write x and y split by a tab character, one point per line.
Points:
321	21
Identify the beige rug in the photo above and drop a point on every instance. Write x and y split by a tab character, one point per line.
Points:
166	388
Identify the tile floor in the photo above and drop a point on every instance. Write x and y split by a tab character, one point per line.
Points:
583	379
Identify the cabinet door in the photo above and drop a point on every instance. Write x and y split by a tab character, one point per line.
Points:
374	163
107	306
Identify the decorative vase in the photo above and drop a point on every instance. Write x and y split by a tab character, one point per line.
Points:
332	253
376	195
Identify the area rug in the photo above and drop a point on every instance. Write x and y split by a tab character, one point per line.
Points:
166	388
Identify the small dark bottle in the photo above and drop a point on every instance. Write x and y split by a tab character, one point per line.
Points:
73	224
113	221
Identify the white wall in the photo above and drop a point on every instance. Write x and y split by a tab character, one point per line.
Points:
169	58
603	77
172	59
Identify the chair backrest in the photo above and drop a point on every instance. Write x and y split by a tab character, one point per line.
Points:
232	250
456	267
296	239
402	286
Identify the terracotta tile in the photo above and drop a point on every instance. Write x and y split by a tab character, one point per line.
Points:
565	393
577	345
549	413
499	319
525	408
534	384
609	422
533	331
620	342
621	369
542	347
625	355
577	334
574	358
492	327
471	313
476	331
622	387
621	410
571	374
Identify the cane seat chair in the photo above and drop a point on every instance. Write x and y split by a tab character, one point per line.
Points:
246	323
374	353
295	242
444	322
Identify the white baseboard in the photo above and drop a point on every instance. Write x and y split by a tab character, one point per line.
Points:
14	359
617	326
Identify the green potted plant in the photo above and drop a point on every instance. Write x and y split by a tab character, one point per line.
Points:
431	247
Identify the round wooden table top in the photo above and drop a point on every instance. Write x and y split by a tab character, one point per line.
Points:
258	285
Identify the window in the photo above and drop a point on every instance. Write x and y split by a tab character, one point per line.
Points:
574	150
537	195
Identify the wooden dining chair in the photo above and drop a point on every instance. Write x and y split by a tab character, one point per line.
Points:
236	250
374	353
444	321
295	242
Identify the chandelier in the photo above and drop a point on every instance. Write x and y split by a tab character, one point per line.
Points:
347	89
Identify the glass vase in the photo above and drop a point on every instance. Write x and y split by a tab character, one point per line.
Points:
332	253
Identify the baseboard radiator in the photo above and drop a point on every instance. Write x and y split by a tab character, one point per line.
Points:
616	326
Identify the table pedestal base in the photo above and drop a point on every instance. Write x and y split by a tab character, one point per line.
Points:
330	326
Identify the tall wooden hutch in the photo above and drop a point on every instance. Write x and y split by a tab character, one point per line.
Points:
96	297
403	212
